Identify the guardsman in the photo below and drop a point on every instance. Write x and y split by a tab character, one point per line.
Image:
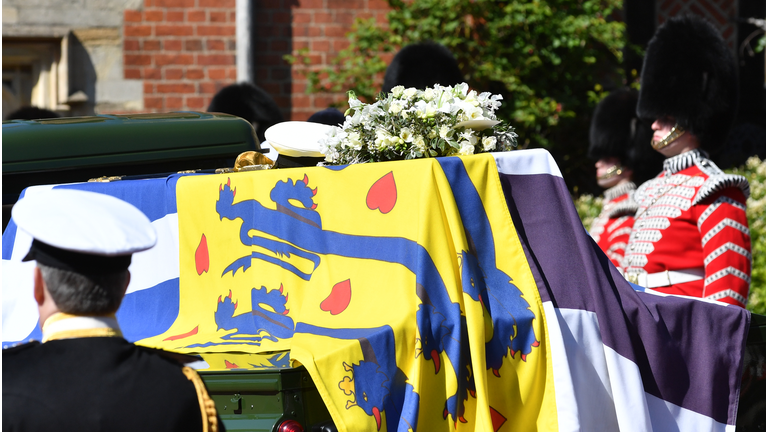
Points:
250	102
618	141
691	235
84	376
422	65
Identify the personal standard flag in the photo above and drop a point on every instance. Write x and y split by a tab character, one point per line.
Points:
435	294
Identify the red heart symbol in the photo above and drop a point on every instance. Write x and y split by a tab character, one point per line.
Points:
383	194
201	256
338	300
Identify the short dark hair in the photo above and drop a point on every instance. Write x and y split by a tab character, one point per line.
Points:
82	294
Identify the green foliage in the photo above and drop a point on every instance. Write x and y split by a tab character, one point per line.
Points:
544	57
754	170
588	208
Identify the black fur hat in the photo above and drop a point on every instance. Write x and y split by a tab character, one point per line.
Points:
689	74
422	65
250	102
617	132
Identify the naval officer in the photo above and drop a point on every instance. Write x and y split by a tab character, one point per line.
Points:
85	376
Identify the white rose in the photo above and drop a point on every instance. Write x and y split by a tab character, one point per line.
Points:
429	94
353	140
419	142
397	91
410	92
475	114
489	143
466	148
396	107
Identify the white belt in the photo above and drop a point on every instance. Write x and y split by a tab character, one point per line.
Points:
666	278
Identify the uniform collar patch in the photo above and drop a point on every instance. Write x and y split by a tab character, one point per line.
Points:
674	164
65	326
619	190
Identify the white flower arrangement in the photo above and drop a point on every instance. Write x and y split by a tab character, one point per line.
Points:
410	123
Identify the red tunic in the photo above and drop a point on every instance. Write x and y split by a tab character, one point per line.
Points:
692	219
611	228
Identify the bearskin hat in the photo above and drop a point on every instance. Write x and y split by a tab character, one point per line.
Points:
689	74
250	102
616	131
422	65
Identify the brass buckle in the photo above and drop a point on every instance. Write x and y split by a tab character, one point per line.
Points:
632	278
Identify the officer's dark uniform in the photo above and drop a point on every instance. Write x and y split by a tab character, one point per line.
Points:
85	376
100	384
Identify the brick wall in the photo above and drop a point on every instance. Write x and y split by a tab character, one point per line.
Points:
184	50
320	27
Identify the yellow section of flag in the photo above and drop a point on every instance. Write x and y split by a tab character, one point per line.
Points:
402	288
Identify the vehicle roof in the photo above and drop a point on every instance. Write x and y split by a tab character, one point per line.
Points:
102	140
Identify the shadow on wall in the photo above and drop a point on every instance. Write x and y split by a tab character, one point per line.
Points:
82	79
272	39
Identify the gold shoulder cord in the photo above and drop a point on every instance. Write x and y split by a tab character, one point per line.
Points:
207	406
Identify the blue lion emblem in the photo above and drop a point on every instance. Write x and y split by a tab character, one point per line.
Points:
294	228
376	384
268	319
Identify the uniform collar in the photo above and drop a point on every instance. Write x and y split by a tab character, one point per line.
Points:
682	161
619	190
65	326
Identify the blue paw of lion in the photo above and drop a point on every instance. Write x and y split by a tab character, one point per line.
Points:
225	311
226	199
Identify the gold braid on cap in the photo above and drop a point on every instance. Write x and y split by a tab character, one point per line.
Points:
674	134
613	171
207	406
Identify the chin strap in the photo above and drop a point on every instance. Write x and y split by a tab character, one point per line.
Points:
612	172
674	134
